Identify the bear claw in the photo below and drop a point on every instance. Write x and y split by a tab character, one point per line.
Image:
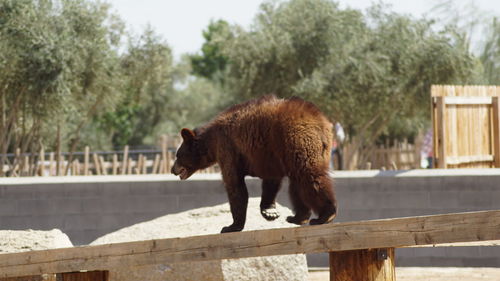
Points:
270	214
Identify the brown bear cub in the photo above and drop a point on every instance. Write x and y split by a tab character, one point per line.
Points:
269	138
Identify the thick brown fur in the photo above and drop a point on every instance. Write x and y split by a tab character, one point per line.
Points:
269	138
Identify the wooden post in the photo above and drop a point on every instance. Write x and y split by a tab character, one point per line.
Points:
84	276
51	164
164	154
103	165
496	130
41	161
125	160
96	164
115	164
441	131
363	265
156	164
86	161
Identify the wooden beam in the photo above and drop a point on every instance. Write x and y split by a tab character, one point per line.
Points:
455	160
387	233
467	100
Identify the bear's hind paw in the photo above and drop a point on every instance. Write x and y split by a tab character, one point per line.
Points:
270	214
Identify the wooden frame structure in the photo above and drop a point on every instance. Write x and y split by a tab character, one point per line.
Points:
355	247
466	124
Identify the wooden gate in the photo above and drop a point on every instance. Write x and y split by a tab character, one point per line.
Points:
466	124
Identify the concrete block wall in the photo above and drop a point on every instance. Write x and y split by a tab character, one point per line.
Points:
86	208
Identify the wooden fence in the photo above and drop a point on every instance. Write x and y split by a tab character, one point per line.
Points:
87	163
399	156
466	124
358	250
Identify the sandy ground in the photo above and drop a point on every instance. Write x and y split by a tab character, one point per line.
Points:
430	274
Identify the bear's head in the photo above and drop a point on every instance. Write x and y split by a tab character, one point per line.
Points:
191	156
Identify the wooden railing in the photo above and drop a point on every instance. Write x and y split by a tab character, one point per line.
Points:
361	250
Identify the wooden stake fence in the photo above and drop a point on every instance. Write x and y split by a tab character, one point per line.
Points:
97	163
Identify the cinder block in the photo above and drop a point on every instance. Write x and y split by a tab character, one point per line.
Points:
8	207
50	191
82	190
80	222
15	222
188	202
474	199
35	206
160	204
19	192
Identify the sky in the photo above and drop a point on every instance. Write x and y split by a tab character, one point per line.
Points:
181	22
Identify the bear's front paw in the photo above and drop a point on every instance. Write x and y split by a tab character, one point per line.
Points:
270	214
231	228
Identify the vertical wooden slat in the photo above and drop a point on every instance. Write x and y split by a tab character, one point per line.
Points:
496	131
97	167
441	131
41	162
164	154
156	164
51	164
86	159
125	160
102	164
115	164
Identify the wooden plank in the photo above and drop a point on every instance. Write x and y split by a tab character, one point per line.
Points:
455	160
387	233
441	137
479	100
496	130
51	277
363	265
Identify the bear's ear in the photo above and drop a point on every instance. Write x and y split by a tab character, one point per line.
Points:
187	135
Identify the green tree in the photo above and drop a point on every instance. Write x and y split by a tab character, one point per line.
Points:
57	60
211	63
148	85
364	70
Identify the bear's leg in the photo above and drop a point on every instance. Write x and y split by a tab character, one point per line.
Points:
270	188
322	199
238	200
301	210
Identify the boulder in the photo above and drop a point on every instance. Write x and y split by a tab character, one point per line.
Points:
12	241
203	221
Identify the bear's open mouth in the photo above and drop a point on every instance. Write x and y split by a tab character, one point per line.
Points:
183	173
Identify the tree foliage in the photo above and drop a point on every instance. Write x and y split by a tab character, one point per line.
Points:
211	63
365	70
57	60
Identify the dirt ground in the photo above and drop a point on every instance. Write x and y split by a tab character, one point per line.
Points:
430	274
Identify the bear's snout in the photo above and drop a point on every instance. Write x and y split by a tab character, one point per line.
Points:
180	171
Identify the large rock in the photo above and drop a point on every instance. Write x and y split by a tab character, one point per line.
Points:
12	241
202	221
